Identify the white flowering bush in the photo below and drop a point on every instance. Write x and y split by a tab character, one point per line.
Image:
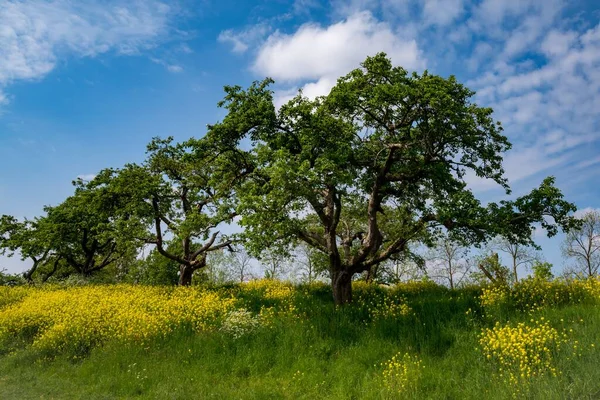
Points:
240	322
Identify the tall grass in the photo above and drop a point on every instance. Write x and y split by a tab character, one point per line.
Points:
305	348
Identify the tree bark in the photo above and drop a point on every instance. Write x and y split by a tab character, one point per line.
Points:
451	276
185	275
54	268
341	284
372	273
28	275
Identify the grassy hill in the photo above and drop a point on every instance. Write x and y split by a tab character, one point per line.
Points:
272	340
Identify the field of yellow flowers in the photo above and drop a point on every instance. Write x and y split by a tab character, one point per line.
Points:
271	339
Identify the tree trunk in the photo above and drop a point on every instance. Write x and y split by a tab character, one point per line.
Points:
185	275
28	275
371	273
341	284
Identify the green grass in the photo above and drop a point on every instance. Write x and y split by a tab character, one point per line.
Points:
325	354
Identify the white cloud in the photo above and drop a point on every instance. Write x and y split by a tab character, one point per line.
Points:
558	43
305	6
549	106
588	163
345	8
184	48
35	34
532	27
315	56
86	177
313	52
442	12
243	39
174	68
519	164
491	13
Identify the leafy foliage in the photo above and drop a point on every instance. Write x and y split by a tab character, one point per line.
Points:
379	162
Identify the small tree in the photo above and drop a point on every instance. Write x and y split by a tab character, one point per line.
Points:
542	271
402	267
155	269
219	268
273	264
520	255
26	237
241	264
582	244
490	267
311	264
7	279
448	261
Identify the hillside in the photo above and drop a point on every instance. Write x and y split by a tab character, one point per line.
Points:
271	340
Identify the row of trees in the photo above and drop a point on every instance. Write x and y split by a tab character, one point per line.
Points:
447	263
359	177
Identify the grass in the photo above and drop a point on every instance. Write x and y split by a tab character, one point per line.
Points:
317	352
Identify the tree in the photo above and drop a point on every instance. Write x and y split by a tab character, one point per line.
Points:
154	269
91	229
10	279
311	263
384	149
273	264
241	263
218	268
402	267
542	270
85	232
490	267
183	192
448	260
26	237
583	244
519	255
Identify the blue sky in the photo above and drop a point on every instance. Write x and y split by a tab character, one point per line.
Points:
86	84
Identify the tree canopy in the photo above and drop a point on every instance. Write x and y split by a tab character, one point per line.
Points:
182	193
359	176
385	149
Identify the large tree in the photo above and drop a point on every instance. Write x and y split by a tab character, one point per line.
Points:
87	232
392	145
91	229
182	194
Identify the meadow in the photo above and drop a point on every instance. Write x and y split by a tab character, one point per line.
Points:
268	339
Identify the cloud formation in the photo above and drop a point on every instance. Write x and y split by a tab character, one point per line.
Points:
315	56
35	34
242	39
536	67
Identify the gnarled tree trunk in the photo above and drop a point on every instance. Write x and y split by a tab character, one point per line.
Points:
341	285
186	272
